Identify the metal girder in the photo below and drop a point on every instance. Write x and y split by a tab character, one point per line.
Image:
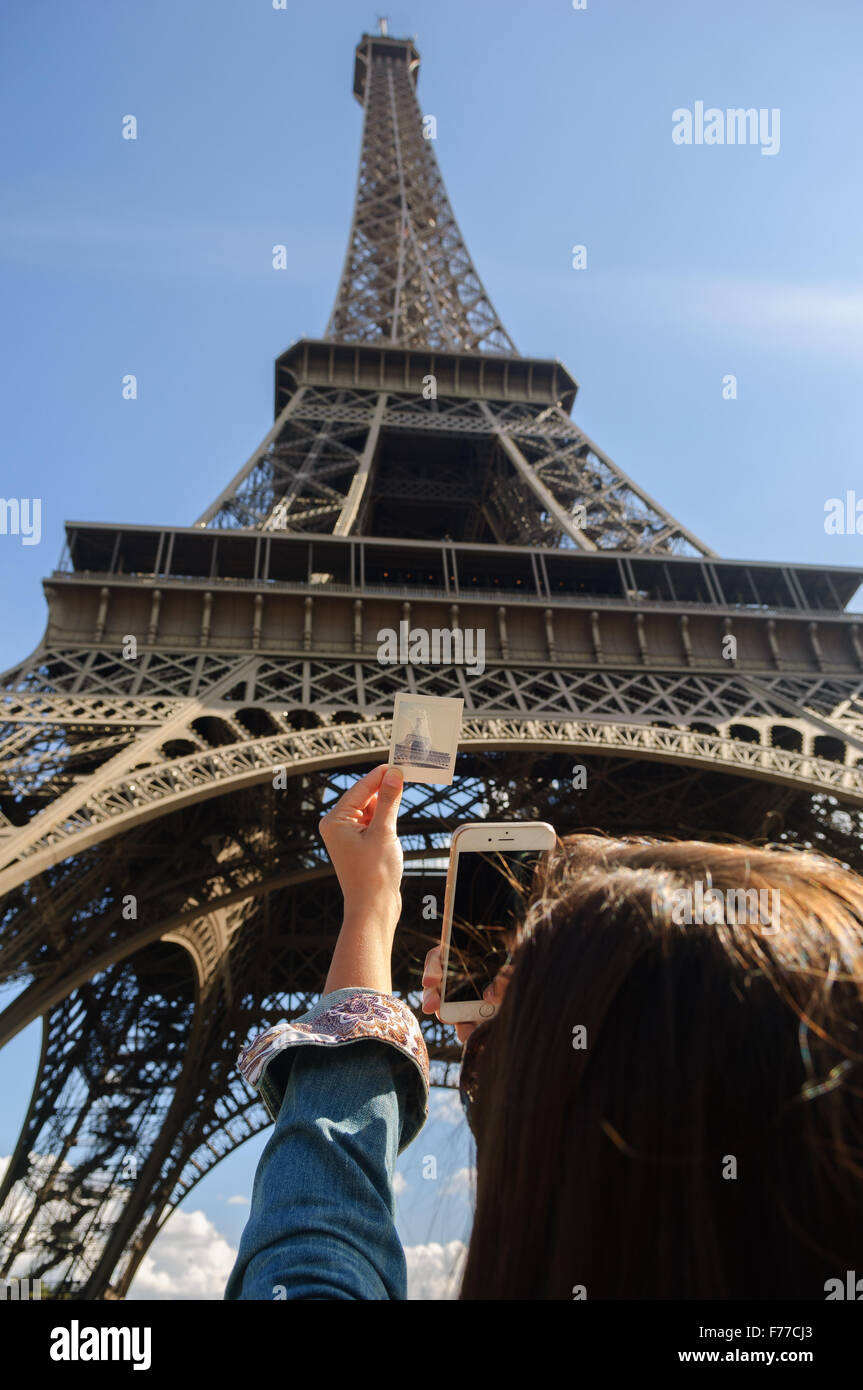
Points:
118	802
407	277
221	509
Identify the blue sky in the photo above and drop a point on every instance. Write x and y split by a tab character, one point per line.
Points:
554	127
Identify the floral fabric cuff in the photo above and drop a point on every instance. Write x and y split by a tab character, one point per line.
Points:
338	1019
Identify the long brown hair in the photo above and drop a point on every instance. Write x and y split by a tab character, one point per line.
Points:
703	1137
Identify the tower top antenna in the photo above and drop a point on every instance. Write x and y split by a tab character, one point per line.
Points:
383	22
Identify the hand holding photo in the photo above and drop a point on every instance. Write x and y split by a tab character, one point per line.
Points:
425	737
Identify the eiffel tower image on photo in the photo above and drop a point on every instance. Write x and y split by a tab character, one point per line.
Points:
166	896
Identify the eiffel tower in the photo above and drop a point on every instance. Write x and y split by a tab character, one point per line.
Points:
165	898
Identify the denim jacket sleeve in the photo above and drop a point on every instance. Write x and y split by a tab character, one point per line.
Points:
347	1086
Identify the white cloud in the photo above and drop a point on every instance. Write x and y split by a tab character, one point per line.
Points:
827	316
779	316
434	1271
445	1104
187	1260
190	1259
238	1201
464	1181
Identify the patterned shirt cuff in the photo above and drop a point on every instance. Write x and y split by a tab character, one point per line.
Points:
338	1019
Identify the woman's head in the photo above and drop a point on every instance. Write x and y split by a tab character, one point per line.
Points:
668	1107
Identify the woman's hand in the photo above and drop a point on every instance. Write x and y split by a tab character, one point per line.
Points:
360	836
433	977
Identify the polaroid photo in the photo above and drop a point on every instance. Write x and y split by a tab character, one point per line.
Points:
425	737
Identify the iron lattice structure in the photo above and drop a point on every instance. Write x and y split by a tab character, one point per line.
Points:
163	901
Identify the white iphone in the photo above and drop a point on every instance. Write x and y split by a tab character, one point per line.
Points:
489	861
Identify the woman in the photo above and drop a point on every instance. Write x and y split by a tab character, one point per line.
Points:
668	1103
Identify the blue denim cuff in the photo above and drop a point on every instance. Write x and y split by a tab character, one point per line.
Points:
338	1019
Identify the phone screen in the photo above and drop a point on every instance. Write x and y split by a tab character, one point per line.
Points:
487	905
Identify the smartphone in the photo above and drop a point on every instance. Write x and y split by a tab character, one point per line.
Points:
489	862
